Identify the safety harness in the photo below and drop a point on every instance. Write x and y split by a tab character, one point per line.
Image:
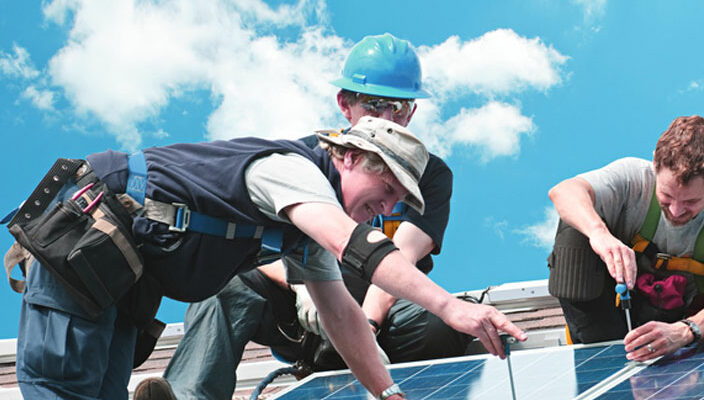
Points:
180	218
390	223
642	243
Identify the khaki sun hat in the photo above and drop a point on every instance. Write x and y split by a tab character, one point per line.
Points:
403	153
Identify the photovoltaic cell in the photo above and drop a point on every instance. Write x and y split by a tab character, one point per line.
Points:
679	376
540	374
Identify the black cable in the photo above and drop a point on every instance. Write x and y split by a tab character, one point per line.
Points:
270	378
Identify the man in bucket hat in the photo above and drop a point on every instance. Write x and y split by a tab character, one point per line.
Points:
269	185
381	78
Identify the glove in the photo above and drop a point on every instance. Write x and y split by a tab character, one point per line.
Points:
382	353
307	313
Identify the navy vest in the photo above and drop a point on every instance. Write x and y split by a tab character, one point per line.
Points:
209	178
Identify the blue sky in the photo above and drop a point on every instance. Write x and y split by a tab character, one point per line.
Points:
526	93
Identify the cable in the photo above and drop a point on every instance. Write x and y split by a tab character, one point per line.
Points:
270	378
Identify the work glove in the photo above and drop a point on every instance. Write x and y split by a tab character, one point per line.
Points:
382	353
307	313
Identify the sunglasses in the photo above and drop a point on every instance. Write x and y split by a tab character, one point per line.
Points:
378	105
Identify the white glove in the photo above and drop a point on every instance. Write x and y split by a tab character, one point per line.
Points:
382	353
307	313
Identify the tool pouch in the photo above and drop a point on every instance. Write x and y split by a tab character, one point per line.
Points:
89	249
576	272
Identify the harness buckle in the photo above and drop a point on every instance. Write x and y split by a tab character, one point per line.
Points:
662	259
182	218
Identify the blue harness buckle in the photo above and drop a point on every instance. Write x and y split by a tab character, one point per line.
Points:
182	218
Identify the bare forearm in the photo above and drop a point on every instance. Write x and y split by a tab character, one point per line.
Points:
377	304
574	201
348	330
396	278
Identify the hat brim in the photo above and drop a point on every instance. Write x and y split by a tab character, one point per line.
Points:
380	90
413	198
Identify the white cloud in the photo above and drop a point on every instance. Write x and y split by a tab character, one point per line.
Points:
17	64
125	61
42	99
542	234
499	62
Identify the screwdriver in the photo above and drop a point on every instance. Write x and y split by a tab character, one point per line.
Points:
625	301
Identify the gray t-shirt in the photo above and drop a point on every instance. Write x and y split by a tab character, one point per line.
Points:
281	180
622	192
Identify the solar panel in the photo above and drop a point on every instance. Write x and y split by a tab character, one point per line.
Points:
679	376
541	374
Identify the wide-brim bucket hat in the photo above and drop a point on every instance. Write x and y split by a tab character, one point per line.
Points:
401	151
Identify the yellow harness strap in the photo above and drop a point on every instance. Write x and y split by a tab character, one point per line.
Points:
668	262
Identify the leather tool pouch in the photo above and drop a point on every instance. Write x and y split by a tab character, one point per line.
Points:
576	272
85	241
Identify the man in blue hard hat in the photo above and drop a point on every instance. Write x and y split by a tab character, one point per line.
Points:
381	78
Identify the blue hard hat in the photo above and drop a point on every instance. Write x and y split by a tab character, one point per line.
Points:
385	66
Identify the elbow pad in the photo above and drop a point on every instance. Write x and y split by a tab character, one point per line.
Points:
363	256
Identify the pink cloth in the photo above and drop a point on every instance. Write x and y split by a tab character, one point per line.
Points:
671	290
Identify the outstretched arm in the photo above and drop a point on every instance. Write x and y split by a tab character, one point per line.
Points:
574	201
331	228
414	244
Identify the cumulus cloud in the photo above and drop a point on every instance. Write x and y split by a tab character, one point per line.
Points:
498	65
542	234
499	62
267	71
125	61
42	99
17	64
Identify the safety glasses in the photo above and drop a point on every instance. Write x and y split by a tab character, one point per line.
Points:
378	105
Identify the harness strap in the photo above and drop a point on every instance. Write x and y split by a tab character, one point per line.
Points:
180	218
652	218
390	223
642	243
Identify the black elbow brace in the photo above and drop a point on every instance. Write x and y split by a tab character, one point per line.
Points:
362	256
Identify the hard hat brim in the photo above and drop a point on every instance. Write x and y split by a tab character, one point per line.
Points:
380	90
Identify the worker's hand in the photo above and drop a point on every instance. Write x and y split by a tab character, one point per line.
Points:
620	259
655	339
307	313
483	322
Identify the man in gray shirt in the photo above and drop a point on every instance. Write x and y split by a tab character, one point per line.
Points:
642	220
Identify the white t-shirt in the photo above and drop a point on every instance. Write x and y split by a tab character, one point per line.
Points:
622	192
281	180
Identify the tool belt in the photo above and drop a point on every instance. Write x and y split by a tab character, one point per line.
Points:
84	241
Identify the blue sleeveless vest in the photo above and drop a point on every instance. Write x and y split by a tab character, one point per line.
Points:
210	179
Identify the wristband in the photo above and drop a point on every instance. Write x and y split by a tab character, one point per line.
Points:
694	328
391	391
